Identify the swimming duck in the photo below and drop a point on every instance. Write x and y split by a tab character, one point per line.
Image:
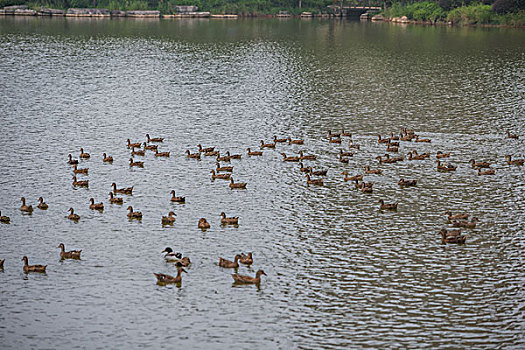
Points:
83	154
170	255
386	160
422	140
466	224
33	268
309	181
337	140
79	171
168	279
381	140
445	168
330	134
96	206
4	219
345	134
125	190
412	156
509	161
475	164
224	168
246	259
307	157
342	159
162	154
254	153
267	145
136	144
295	142
384	206
289	159
154	139
452	236
317	172
304	169
211	154
404	137
150	147
193	155
351	178
177	199
372	171
140	152
392	137
461	216
232	220
107	159
486	172
394	159
223	158
233	156
2	264
219	176
115	200
247	279
406	183
512	136
239	185
24	207
134	214
205	150
42	205
72	254
392	149
353	145
276	140
203	224
345	154
137	164
71	161
230	264
440	155
168	220
426	155
72	215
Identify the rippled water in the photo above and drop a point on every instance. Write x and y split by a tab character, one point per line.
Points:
341	273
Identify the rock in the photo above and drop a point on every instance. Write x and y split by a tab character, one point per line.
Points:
81	12
378	18
144	14
25	12
50	12
118	13
185	9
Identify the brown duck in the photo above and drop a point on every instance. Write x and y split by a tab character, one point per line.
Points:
77	183
137	164
177	199
115	200
76	170
246	259
383	206
96	206
154	139
134	214
230	264
125	190
452	236
42	205
4	219
72	254
168	279
24	207
106	158
203	224
511	161
242	279
232	220
254	153
72	216
238	185
33	268
168	220
219	176
83	154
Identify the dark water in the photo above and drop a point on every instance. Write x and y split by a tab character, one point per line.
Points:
341	273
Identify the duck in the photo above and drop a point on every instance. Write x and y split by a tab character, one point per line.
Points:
309	181
511	136
247	279
150	147
406	183
169	279
254	153
71	161
233	156
193	155
33	268
289	159
168	220
381	140
84	155
295	142
353	145
405	137
219	176
230	264
345	154
372	171
205	150
460	216
392	137
413	156
224	168
386	160
330	134
232	220
426	155
42	205
115	200
137	164
177	199
445	168
466	224
276	140
510	161
267	145
4	219
384	206
351	178
125	190
135	144
72	254
486	172
154	139
24	207
239	185
475	164
223	158
171	256
303	169
440	155
211	154
337	140
246	259
2	264
422	140
134	214
345	134
307	157
392	149
107	159
79	171
161	154
96	206
452	236
72	216
342	159
203	224
140	152
361	185
317	172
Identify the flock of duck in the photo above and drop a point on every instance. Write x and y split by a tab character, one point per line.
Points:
392	143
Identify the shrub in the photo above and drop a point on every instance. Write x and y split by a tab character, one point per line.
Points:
507	6
472	14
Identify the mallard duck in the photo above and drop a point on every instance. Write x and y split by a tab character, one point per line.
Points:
96	206
509	161
42	205
150	147
345	134
239	185
289	159
304	169
372	171
317	172
422	140
79	171
170	255
486	172
452	236
4	219
337	140
381	140
254	153
125	190
309	181
307	157
230	264
392	149
223	168
24	207
351	178
276	140
247	279
295	142
107	159
72	215
246	259
83	154
177	199
440	155
205	150
168	220
115	200
330	134
203	224
140	152
512	136
475	164
223	158
342	159
233	156
168	279
135	144
232	220
267	145
383	206
162	154
345	154
466	224
134	214
71	161
461	216
33	268
72	254
406	183
137	164
193	155
154	139
219	176
445	168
